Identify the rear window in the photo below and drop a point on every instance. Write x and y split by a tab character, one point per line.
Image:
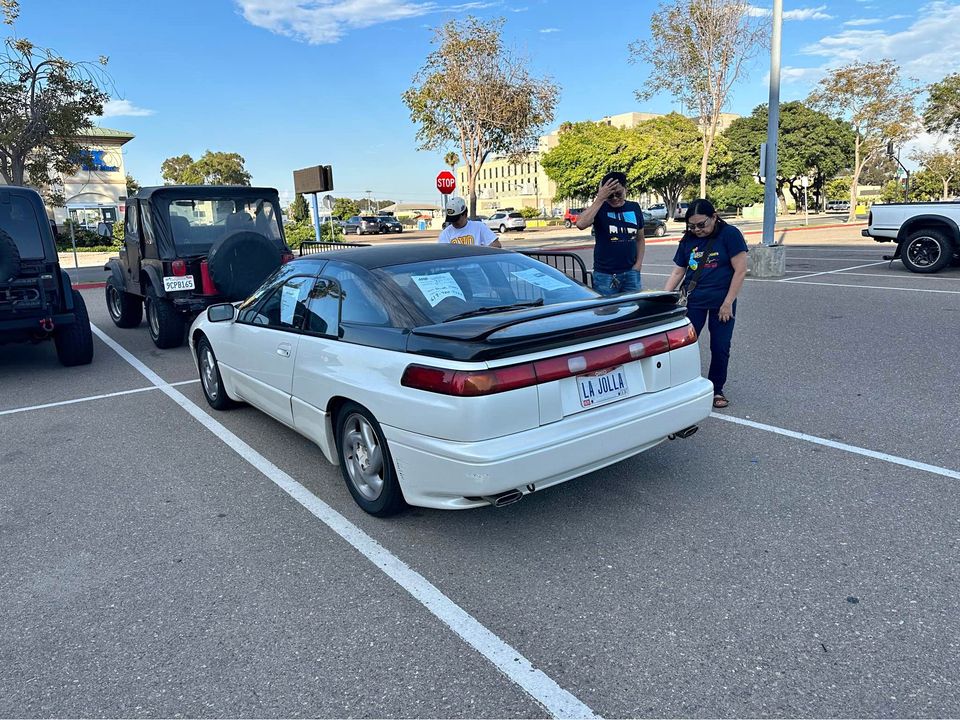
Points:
370	219
20	221
441	289
198	223
515	215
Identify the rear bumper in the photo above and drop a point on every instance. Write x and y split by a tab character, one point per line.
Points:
443	474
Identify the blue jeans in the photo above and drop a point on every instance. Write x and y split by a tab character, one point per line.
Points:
721	335
607	284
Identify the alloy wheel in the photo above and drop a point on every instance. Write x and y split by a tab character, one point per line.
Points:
363	456
923	251
116	309
208	373
152	318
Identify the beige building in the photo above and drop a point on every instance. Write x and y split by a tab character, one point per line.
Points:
505	184
97	191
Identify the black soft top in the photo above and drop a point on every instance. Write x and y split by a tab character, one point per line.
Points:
399	254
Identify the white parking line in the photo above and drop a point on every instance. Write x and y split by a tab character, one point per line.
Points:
833	272
794	281
14	411
545	691
886	457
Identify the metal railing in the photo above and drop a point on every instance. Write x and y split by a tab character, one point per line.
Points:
570	264
311	247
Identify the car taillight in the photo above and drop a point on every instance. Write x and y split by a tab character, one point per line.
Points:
285	258
487	382
179	268
206	280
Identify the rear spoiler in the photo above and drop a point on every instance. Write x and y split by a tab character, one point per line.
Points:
481	327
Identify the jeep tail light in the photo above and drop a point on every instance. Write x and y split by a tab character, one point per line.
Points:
285	258
179	267
468	383
206	280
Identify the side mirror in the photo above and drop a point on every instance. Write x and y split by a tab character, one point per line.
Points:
221	312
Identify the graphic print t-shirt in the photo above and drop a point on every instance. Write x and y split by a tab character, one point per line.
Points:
473	233
717	273
616	231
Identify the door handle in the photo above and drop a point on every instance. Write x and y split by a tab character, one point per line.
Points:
283	350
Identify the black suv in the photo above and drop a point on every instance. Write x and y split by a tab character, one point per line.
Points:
37	301
190	246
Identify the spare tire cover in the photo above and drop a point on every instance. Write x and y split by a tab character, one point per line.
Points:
9	257
239	263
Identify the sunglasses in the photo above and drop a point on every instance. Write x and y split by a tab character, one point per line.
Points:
699	225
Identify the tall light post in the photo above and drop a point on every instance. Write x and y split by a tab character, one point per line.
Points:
773	123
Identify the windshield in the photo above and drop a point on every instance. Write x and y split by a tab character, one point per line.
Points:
198	223
442	289
20	222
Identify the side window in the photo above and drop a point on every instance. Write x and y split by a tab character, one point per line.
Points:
360	303
282	309
147	224
323	308
131	223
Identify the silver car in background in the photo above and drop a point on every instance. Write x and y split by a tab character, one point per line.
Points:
503	221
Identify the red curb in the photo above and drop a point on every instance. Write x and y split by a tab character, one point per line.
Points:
89	286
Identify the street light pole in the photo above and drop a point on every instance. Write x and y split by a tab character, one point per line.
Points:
773	127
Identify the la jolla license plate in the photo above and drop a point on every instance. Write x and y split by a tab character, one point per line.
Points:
173	284
602	386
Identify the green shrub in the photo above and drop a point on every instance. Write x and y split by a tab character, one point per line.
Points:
529	213
299	233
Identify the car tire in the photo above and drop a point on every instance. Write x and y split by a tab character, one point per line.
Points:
9	257
503	228
210	378
74	342
359	231
927	250
126	309
167	327
241	261
365	462
567	224
660	231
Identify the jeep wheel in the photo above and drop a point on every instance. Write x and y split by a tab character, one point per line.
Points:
210	379
74	342
126	310
240	262
9	257
167	327
926	251
567	224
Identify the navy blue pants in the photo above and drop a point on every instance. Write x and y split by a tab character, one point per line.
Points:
721	333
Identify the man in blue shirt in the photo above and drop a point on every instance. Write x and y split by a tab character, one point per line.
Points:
618	230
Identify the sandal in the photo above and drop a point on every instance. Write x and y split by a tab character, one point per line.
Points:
719	401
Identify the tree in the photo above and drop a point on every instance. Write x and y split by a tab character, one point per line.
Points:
585	152
299	210
452	160
10	10
944	165
46	102
738	193
474	92
838	188
941	114
132	185
345	207
703	46
214	168
879	106
811	144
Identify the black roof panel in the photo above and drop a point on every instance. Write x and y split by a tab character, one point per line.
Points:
379	256
185	192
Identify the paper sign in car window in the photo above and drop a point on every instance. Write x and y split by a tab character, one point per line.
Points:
288	303
436	288
540	279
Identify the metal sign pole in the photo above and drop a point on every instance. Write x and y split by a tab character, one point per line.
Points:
73	241
316	215
773	126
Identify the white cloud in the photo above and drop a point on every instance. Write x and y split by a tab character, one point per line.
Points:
924	50
862	22
816	13
800	75
550	30
123	108
519	9
326	21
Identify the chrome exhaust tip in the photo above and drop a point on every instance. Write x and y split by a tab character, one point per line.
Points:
508	497
685	433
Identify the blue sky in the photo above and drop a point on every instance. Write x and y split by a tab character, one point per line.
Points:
292	83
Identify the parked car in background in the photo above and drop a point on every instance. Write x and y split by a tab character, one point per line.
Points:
652	227
416	367
680	214
570	216
503	221
658	211
926	233
362	225
389	224
838	206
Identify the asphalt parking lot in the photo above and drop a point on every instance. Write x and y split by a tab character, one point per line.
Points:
799	556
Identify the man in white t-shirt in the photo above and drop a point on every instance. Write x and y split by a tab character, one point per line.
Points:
461	231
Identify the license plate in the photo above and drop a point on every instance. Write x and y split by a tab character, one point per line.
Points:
173	284
602	386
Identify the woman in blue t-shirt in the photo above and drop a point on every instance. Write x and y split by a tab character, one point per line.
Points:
722	252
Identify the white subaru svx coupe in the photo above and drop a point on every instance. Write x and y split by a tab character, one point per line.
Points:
452	376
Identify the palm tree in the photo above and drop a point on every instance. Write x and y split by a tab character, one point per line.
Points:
452	160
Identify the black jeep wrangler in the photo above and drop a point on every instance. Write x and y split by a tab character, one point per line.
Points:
37	301
190	246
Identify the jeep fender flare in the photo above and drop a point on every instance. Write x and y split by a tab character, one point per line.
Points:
116	272
67	290
931	221
154	280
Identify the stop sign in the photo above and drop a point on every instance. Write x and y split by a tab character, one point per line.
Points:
446	182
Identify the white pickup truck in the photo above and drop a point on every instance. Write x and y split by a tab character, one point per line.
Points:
927	234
